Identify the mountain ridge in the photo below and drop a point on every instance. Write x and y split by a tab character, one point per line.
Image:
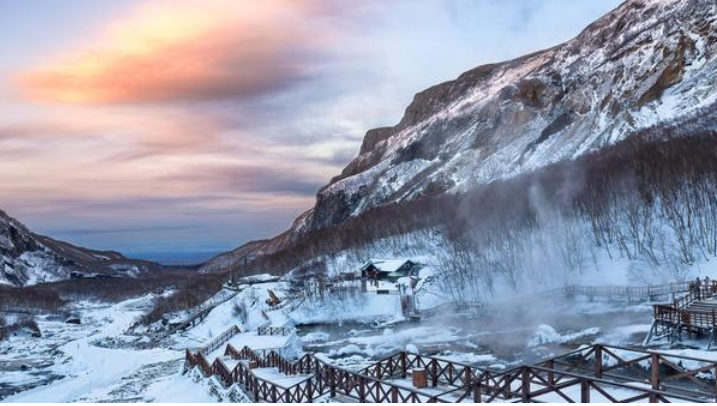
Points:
645	63
27	258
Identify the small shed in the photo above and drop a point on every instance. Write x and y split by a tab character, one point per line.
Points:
389	270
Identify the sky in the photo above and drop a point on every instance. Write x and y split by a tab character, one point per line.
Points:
167	126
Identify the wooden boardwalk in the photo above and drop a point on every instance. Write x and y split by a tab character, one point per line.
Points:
197	314
598	373
628	294
694	314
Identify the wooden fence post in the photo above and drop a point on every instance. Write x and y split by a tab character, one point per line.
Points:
598	361
525	377
403	365
362	390
477	395
551	373
378	389
655	375
584	391
332	381
434	373
715	375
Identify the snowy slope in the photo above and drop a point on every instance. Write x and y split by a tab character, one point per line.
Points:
97	362
648	62
645	63
27	258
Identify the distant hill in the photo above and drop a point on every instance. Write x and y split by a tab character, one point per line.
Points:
27	258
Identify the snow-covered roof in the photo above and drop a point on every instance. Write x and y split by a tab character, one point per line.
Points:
385	265
264	277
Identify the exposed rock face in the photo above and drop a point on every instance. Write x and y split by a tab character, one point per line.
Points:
27	258
647	62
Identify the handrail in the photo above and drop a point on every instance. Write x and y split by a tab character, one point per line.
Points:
369	385
274	331
220	339
576	290
199	310
454	305
615	290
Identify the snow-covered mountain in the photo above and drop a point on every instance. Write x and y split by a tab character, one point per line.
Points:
647	63
27	258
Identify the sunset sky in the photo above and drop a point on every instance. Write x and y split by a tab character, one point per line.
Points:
151	126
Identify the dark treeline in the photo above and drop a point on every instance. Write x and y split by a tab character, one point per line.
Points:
195	290
189	289
662	175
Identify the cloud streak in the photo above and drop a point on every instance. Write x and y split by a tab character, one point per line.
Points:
190	50
252	179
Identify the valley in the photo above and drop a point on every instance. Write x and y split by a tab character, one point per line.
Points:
538	229
101	359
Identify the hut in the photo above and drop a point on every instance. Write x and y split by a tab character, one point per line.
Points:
383	273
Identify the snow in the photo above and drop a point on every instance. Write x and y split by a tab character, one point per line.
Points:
469	358
277	377
365	307
260	344
387	265
622	335
178	389
260	278
548	335
392	341
315	337
98	362
224	315
89	369
376	286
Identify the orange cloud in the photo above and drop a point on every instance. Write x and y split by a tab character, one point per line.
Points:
177	50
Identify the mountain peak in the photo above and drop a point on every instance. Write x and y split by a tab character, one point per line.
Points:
647	62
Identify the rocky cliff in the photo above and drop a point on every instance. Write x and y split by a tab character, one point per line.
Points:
647	63
27	258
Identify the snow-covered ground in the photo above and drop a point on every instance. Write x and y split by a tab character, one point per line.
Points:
95	362
99	361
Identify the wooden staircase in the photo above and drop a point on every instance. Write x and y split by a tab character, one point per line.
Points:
694	313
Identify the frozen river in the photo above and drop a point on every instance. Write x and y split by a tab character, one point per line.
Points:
496	341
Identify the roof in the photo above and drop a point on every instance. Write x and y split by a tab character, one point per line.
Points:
385	265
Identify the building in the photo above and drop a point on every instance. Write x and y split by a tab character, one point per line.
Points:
388	270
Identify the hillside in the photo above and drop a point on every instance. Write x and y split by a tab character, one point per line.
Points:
29	258
648	64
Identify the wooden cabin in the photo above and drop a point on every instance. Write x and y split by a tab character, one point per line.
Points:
388	270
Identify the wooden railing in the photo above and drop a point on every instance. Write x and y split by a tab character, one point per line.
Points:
274	331
622	292
460	305
200	361
614	374
538	384
619	291
678	375
200	311
686	314
220	340
438	370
